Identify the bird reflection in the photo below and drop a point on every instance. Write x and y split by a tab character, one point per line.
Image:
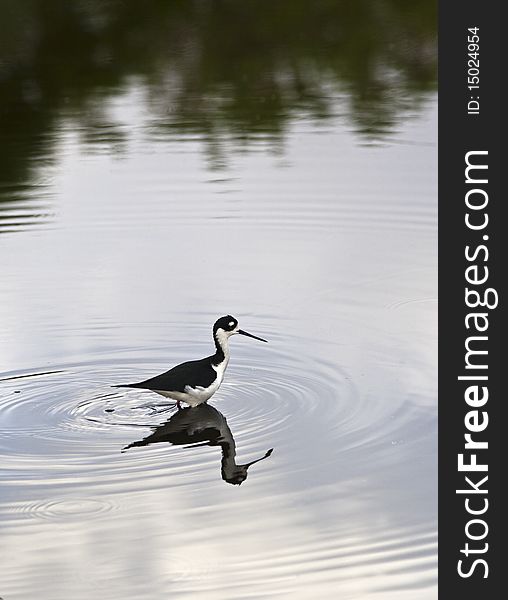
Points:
198	426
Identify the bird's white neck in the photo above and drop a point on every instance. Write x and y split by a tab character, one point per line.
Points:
222	345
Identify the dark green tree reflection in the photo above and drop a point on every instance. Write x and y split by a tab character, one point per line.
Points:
211	67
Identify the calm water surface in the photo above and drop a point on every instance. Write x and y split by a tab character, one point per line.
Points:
164	167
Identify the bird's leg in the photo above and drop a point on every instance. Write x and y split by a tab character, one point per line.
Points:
178	405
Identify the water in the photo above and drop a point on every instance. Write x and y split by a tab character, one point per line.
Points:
157	177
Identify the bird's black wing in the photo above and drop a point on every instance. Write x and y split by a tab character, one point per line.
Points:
192	373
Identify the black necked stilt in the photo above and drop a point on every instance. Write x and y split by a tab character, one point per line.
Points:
202	426
196	381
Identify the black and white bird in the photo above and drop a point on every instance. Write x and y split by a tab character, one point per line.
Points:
196	381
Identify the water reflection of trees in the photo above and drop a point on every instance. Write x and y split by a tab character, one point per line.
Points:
212	67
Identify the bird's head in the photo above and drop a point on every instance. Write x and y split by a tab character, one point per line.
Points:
227	326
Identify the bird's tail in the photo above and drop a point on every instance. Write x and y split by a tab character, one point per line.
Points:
126	385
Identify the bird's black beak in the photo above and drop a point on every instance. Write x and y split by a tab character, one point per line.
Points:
241	332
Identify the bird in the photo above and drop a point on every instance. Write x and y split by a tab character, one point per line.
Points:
196	381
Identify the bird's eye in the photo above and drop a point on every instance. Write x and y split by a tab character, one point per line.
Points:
231	323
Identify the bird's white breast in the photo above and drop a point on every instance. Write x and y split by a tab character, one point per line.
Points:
220	369
199	394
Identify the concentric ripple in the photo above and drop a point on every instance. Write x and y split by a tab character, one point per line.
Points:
73	421
63	509
69	422
64	433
